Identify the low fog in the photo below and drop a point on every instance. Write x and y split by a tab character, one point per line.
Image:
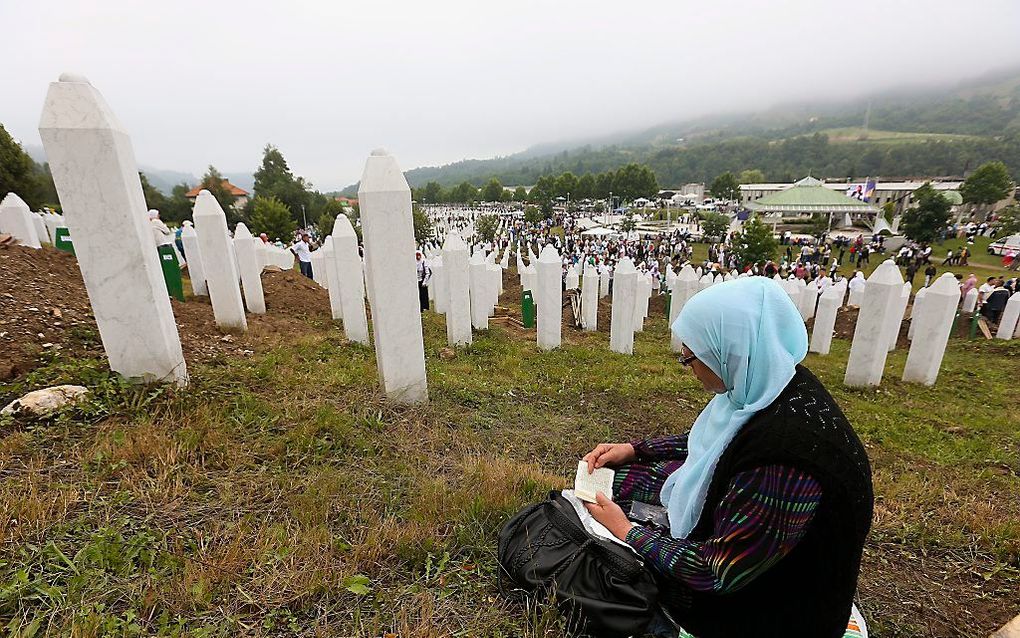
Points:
199	83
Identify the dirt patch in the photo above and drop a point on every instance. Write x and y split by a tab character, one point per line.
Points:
44	307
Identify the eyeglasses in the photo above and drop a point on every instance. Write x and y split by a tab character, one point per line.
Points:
686	361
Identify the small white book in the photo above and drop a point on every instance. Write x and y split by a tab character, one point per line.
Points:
586	486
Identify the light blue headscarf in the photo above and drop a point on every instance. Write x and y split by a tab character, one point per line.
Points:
750	334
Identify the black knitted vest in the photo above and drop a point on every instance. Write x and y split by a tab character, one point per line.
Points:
810	591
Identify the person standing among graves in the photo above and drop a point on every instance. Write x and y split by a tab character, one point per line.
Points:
929	274
303	254
769	498
160	233
424	275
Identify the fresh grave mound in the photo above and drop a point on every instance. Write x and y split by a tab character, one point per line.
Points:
44	307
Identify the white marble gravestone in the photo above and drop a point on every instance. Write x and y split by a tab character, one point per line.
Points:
250	270
590	298
808	299
896	316
825	319
550	309
915	312
318	269
438	282
96	177
53	222
40	228
478	283
604	283
528	281
932	333
1009	322
16	220
336	308
196	268
392	278
351	279
458	302
217	250
573	280
970	300
870	345
621	326
685	286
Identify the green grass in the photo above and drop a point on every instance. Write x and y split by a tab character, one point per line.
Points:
280	494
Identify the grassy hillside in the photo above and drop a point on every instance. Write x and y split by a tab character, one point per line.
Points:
938	131
281	495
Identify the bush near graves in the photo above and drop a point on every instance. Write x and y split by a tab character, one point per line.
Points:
486	227
423	231
714	225
925	220
270	216
755	244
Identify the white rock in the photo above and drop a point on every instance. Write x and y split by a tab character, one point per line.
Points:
41	403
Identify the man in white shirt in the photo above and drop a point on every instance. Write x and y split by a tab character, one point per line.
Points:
304	254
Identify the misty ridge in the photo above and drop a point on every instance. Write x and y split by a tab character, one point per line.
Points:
941	130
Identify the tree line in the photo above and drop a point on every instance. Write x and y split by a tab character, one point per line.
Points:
627	183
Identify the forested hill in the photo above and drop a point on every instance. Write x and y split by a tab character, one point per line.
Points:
934	132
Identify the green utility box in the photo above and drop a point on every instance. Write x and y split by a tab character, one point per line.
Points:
528	309
63	240
171	271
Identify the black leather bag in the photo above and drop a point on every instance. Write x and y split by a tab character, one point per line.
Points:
546	551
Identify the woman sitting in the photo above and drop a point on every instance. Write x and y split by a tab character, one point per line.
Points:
769	497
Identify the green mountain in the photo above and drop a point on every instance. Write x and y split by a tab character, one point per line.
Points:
937	131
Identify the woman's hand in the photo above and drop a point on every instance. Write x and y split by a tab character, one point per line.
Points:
609	514
611	454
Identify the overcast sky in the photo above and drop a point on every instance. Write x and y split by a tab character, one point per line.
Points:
211	82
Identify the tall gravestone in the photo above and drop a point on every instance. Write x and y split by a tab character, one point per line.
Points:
621	326
573	280
807	301
604	283
870	345
478	284
458	303
915	312
40	228
1009	322
825	319
318	269
590	298
896	316
970	300
933	327
217	249
336	308
250	270
685	286
438	282
391	274
196	268
16	220
96	177
350	279
550	308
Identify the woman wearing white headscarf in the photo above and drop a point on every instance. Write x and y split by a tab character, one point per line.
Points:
769	497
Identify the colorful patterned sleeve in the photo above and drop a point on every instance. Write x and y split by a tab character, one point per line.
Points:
668	448
761	518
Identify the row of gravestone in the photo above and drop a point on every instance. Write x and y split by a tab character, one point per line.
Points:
30	228
95	173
